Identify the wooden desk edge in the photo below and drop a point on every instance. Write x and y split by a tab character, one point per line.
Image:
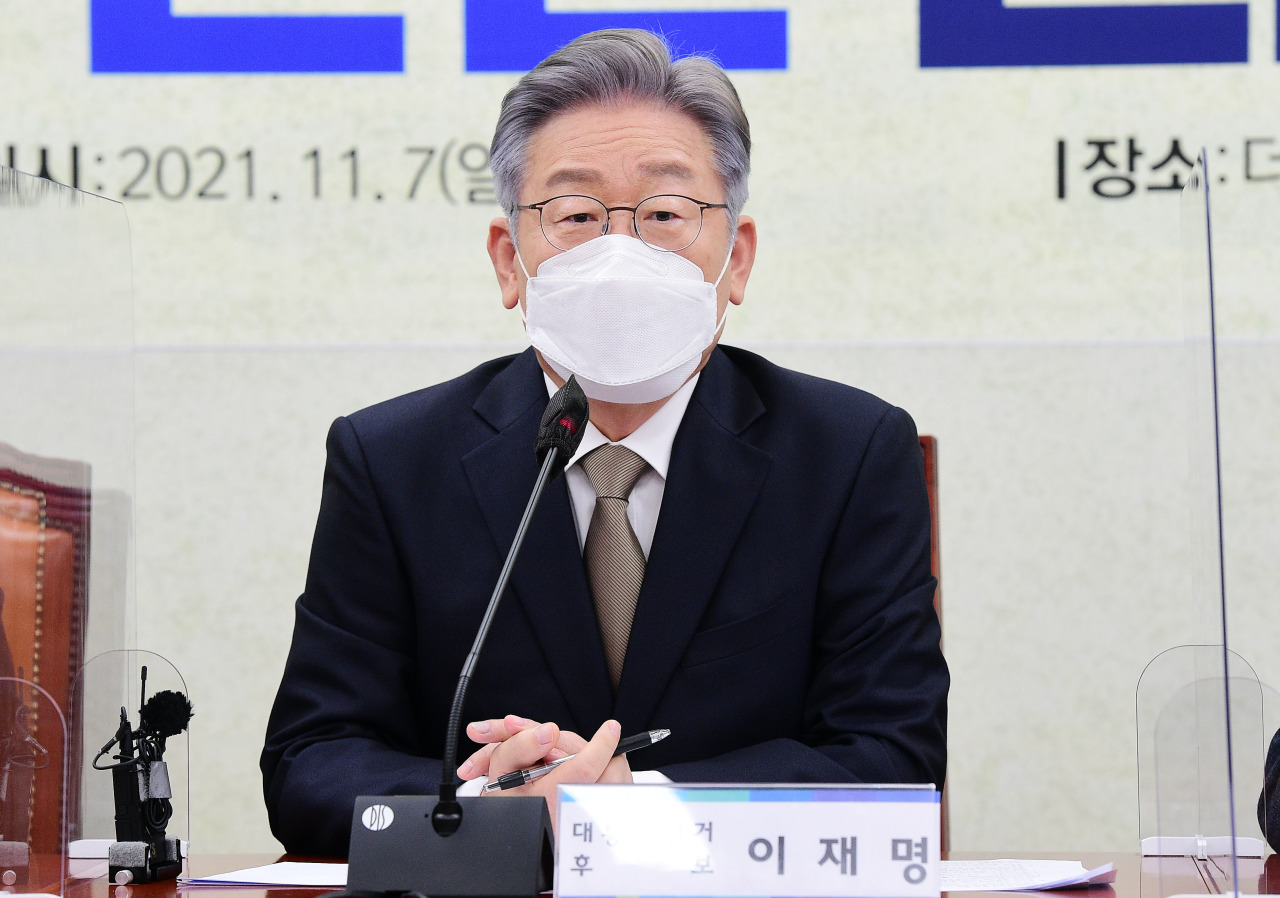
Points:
1136	877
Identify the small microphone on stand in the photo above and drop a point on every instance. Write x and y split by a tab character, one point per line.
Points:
143	852
445	846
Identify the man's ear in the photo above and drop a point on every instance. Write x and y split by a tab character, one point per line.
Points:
502	250
742	258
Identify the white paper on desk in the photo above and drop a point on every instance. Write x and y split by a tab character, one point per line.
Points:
1010	875
285	873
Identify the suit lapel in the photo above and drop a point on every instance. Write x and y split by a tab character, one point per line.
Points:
548	580
712	484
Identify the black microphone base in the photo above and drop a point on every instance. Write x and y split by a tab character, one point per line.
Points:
504	847
135	863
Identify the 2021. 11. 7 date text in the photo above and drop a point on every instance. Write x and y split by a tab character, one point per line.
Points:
454	171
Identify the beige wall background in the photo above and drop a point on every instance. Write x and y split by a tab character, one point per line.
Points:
912	243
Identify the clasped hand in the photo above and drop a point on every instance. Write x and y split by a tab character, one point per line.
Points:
514	743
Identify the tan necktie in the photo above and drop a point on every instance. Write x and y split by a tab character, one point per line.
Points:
615	562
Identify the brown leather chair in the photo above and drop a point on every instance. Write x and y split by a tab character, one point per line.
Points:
929	446
44	548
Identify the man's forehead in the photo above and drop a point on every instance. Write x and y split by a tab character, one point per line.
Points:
611	145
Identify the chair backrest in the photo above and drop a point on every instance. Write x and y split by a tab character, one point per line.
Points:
929	446
44	550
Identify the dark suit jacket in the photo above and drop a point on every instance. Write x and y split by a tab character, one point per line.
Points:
1269	800
784	632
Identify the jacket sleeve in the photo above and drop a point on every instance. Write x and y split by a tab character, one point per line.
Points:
876	706
346	720
1269	800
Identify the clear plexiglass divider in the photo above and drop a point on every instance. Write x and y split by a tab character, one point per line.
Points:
136	770
66	489
33	789
1184	792
1201	710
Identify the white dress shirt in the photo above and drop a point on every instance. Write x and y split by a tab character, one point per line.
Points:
651	441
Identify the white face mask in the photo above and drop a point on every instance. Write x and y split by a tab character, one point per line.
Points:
630	321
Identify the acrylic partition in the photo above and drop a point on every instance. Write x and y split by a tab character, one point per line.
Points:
1192	799
34	757
66	479
1202	711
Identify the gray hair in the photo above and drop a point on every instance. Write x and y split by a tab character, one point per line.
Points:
622	64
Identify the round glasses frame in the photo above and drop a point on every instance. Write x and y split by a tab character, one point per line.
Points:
608	217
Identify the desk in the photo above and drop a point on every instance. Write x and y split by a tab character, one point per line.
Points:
1135	877
1139	877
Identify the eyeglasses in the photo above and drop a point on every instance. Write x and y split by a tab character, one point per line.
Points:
669	223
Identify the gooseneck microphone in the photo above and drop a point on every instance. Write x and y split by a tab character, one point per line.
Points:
559	435
420	843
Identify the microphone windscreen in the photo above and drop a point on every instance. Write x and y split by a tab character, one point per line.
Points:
563	424
166	713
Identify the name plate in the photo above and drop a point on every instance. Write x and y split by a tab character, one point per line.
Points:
858	841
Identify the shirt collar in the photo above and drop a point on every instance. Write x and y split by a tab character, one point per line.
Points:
651	440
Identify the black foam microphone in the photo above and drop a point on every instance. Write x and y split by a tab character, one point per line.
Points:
505	847
562	423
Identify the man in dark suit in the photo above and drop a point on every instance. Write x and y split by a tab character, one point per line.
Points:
760	583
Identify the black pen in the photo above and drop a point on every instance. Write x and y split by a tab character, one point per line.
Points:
521	777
